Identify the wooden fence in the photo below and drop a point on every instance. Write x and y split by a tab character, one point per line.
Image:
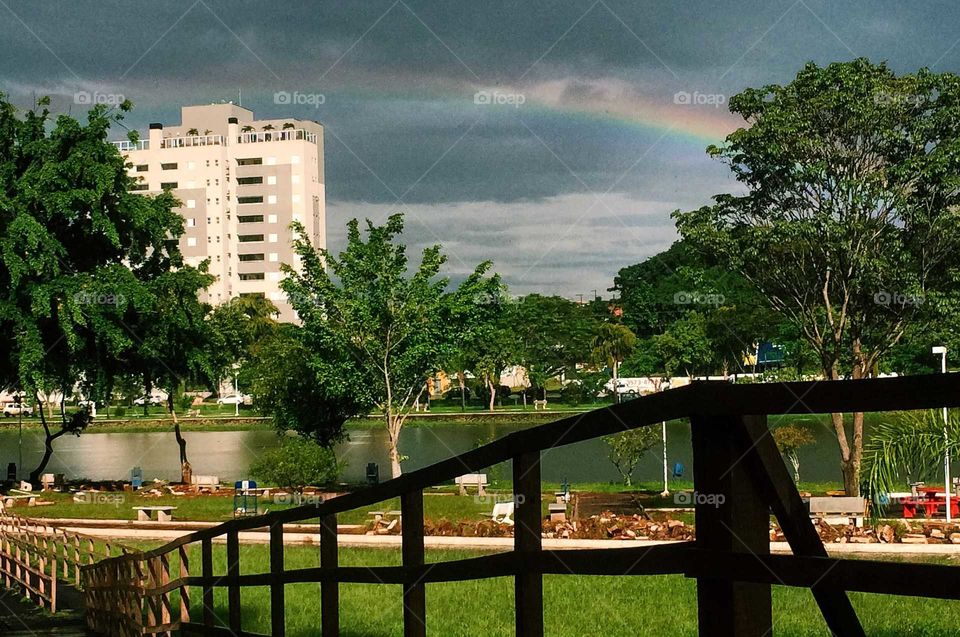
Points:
35	555
735	461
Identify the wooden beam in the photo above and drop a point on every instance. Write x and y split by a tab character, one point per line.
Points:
233	587
527	544
773	482
414	592
730	518
277	601
206	568
329	590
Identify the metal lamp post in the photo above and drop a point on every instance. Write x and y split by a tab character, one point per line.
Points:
942	351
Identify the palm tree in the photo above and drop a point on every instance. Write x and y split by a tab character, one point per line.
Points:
247	129
288	125
908	449
193	131
611	345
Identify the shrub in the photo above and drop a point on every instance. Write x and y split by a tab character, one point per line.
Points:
297	463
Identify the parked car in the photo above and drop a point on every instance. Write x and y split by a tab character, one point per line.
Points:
148	400
15	409
234	399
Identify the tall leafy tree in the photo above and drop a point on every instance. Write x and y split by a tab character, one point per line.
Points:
77	250
849	215
395	324
613	343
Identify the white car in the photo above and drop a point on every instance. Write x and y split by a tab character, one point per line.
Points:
151	400
234	399
15	409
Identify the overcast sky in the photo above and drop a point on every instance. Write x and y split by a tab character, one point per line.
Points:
554	138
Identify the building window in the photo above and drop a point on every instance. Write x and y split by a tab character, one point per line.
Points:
273	238
191	222
271	199
140	187
271	218
274	257
295	199
250	161
249	218
251	276
191	203
142	168
249	238
257	199
295	159
255	295
191	165
168	185
172	166
295	179
251	257
243	181
271	180
191	242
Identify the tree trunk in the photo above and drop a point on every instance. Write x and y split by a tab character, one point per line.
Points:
463	390
34	476
493	393
186	471
616	388
393	439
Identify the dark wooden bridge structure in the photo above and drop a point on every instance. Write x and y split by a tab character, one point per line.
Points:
736	463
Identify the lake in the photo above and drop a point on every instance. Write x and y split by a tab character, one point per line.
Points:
228	454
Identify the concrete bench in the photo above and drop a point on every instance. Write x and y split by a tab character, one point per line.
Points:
478	480
379	515
502	513
206	482
164	513
10	500
839	510
539	404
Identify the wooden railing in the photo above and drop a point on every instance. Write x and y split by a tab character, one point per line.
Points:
35	556
735	461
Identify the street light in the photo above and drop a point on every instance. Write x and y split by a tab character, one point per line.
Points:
942	351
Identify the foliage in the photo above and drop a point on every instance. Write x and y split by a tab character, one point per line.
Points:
908	449
628	448
297	463
847	228
307	385
396	327
233	329
790	439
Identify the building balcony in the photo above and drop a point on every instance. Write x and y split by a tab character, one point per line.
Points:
277	136
126	145
192	141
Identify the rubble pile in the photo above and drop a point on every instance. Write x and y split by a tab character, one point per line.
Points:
610	526
922	532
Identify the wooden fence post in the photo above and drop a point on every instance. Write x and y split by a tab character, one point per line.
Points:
184	589
206	571
277	592
233	586
329	589
528	584
414	592
731	516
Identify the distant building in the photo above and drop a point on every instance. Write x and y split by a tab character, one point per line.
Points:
241	183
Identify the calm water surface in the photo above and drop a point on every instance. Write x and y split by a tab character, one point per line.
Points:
229	454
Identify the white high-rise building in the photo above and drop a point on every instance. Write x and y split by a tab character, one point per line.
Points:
241	183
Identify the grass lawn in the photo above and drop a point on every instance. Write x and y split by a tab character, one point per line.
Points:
574	605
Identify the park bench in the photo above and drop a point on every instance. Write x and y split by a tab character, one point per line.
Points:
557	511
164	513
502	513
539	404
379	515
839	510
10	500
206	482
478	480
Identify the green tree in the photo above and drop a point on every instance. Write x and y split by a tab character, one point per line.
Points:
849	215
626	449
78	253
395	325
685	346
790	439
297	463
613	343
309	385
234	328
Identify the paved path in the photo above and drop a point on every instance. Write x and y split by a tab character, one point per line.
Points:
306	534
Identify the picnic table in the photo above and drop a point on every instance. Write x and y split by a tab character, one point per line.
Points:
164	513
929	499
